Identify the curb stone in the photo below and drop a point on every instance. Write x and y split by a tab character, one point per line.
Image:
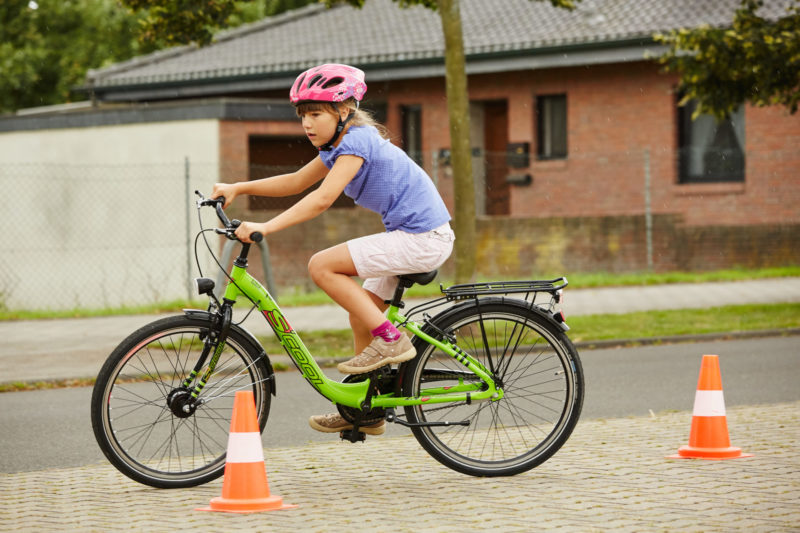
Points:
284	363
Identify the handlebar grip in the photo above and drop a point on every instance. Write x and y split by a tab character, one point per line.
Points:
256	236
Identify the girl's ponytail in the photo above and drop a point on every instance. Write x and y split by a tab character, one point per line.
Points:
362	117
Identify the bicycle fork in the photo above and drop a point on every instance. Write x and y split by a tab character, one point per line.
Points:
184	400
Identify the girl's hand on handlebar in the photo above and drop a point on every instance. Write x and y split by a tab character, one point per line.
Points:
226	190
246	229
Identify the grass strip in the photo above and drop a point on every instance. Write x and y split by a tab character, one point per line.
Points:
654	324
327	344
577	280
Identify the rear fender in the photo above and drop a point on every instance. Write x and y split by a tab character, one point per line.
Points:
547	315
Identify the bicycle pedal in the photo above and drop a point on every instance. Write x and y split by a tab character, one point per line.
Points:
384	369
353	436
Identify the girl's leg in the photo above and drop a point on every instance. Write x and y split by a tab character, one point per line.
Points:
333	270
362	335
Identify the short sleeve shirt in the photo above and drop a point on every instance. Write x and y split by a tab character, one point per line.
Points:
389	182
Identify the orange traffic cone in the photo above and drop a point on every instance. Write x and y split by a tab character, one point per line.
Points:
708	438
245	488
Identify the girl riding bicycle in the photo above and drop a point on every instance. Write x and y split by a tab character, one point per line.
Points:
356	159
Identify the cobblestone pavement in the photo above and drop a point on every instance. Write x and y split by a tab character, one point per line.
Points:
611	475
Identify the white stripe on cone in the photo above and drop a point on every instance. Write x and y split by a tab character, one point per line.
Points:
709	403
245	448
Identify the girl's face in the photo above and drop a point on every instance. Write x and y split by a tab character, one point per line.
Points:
319	125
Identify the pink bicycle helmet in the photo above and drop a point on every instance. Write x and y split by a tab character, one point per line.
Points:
328	83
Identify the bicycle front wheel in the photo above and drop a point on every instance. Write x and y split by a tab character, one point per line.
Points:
137	402
533	362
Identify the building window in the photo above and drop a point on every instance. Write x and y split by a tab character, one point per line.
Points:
412	131
272	156
551	126
710	151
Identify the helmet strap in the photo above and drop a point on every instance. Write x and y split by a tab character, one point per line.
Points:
328	146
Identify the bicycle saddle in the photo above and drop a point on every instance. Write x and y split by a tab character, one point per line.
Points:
421	278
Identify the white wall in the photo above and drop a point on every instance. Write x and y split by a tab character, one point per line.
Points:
97	217
164	142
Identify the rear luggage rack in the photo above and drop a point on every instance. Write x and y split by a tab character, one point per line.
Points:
544	294
473	290
551	291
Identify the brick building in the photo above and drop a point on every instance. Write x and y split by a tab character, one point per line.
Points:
583	159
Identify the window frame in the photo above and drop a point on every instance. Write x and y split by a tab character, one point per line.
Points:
411	131
686	128
546	127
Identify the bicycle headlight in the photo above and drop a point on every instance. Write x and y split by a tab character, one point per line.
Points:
204	286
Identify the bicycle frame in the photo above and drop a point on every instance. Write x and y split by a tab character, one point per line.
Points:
355	394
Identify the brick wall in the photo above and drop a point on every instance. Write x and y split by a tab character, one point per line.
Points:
535	247
526	248
586	212
291	249
234	143
615	113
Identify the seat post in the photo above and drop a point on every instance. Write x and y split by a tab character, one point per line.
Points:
397	299
405	281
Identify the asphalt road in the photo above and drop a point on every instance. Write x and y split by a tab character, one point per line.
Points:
52	429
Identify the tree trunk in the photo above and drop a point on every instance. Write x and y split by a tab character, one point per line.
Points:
460	152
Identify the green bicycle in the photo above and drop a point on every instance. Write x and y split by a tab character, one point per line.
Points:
496	387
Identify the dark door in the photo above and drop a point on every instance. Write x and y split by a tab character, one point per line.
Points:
271	156
498	201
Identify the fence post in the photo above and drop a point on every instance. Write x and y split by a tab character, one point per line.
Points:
227	255
648	214
435	168
187	191
225	260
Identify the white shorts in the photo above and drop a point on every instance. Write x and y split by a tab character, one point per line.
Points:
380	258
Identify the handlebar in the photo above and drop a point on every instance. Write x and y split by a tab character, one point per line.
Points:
230	225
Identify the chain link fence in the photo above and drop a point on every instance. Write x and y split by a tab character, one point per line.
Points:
111	236
97	236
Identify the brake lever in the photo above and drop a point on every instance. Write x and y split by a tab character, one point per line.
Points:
230	226
228	232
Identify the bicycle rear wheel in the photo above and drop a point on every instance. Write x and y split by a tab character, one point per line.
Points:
538	369
134	414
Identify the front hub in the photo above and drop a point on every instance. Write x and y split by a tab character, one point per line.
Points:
181	403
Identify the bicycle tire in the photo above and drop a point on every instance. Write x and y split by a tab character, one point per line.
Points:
541	376
132	422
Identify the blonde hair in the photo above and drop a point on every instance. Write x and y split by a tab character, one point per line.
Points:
361	117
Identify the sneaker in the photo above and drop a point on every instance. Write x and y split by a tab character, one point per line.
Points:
334	423
380	353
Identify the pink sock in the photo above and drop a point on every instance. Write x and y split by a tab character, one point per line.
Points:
387	332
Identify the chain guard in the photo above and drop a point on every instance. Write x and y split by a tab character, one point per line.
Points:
372	416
